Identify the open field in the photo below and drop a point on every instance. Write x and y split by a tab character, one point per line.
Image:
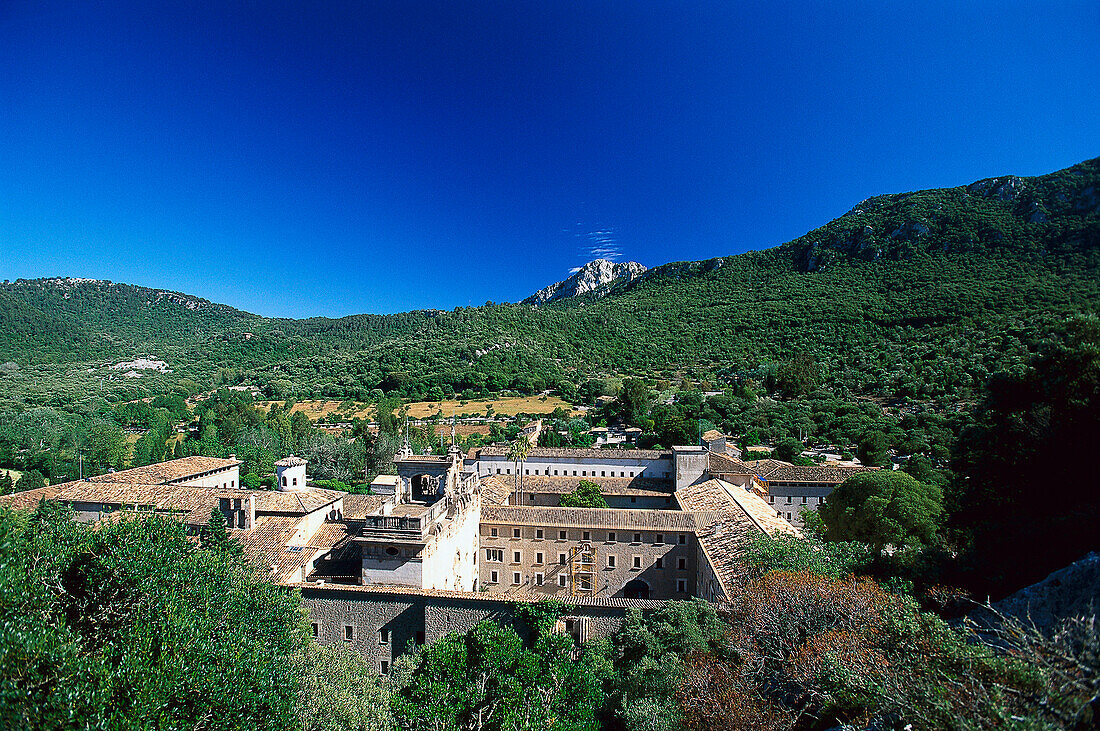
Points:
508	406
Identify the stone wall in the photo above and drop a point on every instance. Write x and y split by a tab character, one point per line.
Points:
384	622
659	563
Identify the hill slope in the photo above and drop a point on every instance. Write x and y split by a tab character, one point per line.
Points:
918	294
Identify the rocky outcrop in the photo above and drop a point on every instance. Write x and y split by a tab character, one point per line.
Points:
1068	592
596	277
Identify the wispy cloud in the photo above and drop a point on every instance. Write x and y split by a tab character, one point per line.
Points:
601	243
574	270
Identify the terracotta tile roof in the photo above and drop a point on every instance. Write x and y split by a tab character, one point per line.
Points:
833	474
295	502
173	470
587	517
477	596
281	545
191	505
359	506
29	499
764	466
727	518
496	489
575	453
719	464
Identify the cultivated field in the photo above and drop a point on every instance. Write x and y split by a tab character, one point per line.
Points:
508	406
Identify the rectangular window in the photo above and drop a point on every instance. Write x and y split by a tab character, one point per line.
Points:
682	563
493	577
538	558
561	559
515	578
637	562
788	500
383	636
349	632
315	629
683	539
527	472
574	473
494	554
660	563
538	579
603	473
493	532
803	499
538	533
385	665
587	536
561	580
516	557
681	585
771	499
610	561
660	538
515	533
631	474
561	535
637	537
633	499
531	497
555	473
611	536
498	470
788	516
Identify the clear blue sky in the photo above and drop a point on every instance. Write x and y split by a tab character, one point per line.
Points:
330	158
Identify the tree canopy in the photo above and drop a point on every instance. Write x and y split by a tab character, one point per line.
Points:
883	507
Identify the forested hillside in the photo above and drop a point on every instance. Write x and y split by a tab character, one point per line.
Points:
919	294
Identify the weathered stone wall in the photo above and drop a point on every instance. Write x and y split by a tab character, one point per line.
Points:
383	624
662	580
227	479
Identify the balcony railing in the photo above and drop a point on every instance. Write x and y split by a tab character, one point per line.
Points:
392	524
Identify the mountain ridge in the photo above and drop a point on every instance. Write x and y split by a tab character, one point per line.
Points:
596	278
890	284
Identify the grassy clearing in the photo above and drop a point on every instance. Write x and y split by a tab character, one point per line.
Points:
509	406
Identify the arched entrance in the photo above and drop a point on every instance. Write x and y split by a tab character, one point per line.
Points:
424	487
636	589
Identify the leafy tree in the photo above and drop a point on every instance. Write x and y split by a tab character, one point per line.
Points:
835	559
787	450
517	453
647	657
215	535
883	507
128	625
7	485
872	449
634	400
587	495
340	690
30	480
504	684
106	445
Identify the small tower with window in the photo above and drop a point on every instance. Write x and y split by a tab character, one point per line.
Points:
290	473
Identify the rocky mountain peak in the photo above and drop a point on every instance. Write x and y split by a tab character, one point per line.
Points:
596	276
